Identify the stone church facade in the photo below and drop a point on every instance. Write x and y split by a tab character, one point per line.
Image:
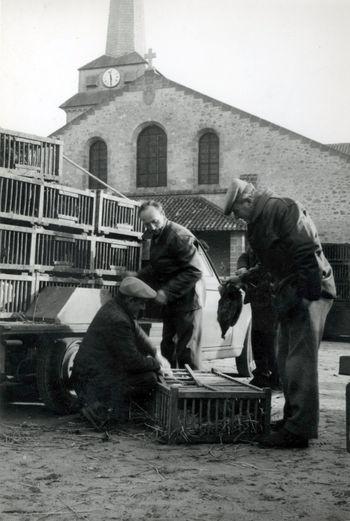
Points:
148	136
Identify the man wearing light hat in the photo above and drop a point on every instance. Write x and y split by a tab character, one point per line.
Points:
285	241
116	360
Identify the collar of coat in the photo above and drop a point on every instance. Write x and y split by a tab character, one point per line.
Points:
149	235
259	204
124	308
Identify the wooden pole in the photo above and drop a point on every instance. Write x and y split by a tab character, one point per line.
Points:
96	178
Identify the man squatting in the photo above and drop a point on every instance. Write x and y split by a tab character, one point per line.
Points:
116	361
284	239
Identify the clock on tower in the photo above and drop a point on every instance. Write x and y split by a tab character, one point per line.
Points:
111	77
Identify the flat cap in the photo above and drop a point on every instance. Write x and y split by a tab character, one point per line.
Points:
234	191
134	287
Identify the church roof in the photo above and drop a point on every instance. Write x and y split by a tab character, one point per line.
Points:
196	213
344	148
88	98
161	81
105	60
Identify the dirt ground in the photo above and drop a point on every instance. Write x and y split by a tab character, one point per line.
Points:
57	468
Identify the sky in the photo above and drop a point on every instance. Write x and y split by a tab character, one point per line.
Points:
287	61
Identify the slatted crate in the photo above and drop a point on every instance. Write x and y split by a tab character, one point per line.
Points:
44	280
109	285
337	252
199	407
16	294
20	198
113	256
31	155
62	252
68	207
16	247
116	215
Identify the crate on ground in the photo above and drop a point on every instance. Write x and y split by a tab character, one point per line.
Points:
31	155
68	207
202	407
16	293
113	256
62	252
20	198
116	215
16	247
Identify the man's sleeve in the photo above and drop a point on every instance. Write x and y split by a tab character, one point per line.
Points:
144	343
122	338
243	261
189	270
146	274
297	232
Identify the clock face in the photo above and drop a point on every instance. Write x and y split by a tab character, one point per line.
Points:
111	77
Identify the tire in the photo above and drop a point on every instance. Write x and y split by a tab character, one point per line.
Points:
54	367
245	362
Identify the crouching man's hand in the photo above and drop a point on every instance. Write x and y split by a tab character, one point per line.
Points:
165	369
156	363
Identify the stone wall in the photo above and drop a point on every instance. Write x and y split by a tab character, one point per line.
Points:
287	163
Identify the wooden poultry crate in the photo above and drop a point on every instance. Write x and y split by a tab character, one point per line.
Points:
16	293
20	198
48	281
116	215
113	257
68	207
62	252
15	247
109	285
204	407
31	155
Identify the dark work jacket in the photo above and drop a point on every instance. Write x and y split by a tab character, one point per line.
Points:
257	283
174	267
113	347
286	242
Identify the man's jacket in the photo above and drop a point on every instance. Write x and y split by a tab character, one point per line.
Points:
257	282
286	242
175	267
114	346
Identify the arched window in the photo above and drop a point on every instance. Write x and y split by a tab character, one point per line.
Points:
208	159
98	163
152	157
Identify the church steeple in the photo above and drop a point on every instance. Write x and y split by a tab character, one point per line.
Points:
126	32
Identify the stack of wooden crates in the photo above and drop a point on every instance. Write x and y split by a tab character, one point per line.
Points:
338	324
56	235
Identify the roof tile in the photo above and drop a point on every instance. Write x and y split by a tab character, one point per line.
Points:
196	213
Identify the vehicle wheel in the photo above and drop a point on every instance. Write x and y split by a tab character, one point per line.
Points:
245	362
54	368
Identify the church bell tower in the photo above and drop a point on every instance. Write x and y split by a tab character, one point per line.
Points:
123	62
126	31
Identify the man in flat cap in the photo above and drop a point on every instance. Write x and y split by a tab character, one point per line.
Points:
285	241
116	360
175	272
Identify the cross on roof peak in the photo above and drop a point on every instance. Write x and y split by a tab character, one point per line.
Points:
150	57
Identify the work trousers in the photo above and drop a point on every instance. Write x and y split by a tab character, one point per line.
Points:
181	337
264	327
298	339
